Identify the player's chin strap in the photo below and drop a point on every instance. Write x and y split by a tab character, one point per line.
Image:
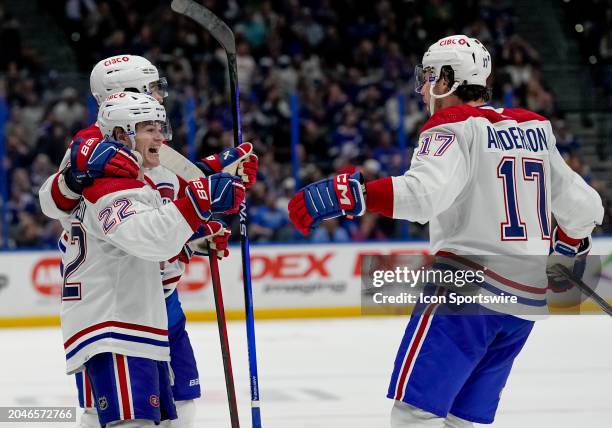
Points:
132	137
434	97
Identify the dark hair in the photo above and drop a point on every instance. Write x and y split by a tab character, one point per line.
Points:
465	92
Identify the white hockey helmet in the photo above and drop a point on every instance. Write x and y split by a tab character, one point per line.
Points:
469	59
126	109
124	72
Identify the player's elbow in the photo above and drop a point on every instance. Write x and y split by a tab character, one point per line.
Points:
166	250
596	204
587	211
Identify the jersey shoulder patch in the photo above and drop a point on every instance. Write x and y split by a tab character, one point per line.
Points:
105	186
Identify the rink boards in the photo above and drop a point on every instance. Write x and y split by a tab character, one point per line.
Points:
289	281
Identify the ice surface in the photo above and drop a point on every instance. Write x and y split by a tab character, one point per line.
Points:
334	373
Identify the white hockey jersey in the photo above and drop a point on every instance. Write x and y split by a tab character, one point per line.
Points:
487	181
57	206
112	299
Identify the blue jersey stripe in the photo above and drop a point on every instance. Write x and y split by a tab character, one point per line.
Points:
119	336
491	288
519	299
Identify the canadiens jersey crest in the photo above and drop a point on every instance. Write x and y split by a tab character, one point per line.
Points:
166	191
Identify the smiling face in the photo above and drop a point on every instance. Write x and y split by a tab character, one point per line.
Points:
149	138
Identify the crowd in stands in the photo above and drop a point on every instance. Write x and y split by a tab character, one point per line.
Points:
591	22
348	62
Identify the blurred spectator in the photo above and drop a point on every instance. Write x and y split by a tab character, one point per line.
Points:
330	231
254	28
575	162
54	139
566	142
385	151
267	221
246	67
70	111
539	99
308	29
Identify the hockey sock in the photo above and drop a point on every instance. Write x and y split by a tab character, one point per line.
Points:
453	421
406	416
186	411
89	418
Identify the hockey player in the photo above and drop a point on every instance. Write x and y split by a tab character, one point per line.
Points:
487	181
137	74
113	315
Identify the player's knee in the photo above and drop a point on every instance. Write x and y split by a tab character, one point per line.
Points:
453	421
136	423
406	416
185	410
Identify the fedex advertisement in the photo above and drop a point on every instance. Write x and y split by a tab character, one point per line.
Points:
284	277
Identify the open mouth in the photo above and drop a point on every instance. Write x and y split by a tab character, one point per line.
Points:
154	150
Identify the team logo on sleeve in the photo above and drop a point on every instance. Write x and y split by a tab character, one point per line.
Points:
166	191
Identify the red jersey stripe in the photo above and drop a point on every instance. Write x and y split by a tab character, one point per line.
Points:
119	324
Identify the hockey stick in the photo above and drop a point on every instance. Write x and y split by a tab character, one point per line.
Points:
567	274
224	35
182	167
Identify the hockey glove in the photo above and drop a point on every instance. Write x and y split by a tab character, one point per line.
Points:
218	194
326	199
93	158
570	253
212	235
239	161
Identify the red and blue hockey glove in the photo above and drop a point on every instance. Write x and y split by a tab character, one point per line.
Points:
93	158
218	194
326	199
239	161
570	253
210	236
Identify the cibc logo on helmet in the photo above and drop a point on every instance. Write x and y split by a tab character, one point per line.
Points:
116	95
446	42
116	60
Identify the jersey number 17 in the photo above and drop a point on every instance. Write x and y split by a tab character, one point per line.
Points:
514	228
